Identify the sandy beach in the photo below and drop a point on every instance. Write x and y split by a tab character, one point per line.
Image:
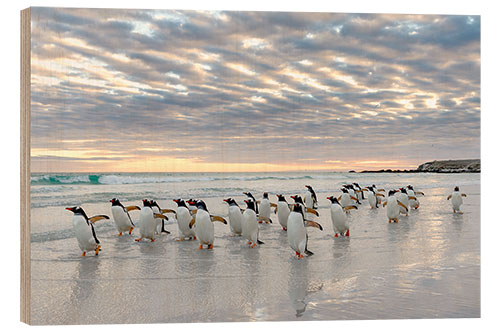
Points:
427	266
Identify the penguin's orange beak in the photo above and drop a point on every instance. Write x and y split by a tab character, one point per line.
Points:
69	208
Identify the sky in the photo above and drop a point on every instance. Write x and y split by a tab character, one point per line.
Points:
220	91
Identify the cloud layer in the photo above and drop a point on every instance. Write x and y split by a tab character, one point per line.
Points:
114	88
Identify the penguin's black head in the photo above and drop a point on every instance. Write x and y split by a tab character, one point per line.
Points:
228	200
410	187
250	204
333	199
77	210
356	184
297	208
344	190
154	204
374	186
391	192
457	189
265	195
297	198
200	204
309	187
281	197
370	188
403	190
146	203
115	202
180	202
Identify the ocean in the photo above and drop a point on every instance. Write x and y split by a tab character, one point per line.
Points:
426	266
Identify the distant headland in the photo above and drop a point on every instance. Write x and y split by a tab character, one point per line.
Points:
448	166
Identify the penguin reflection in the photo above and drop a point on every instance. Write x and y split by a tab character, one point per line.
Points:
299	286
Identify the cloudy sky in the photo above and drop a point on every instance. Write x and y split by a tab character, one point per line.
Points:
135	90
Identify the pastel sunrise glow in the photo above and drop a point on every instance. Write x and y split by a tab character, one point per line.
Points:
201	91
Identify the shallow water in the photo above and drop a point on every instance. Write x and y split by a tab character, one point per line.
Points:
426	266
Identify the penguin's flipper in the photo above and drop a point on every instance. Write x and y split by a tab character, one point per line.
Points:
385	204
163	227
129	208
412	197
353	198
402	205
464	195
166	210
193	221
449	197
350	207
421	193
96	218
364	189
313	224
259	241
194	211
312	211
379	195
381	190
309	253
160	216
218	218
274	205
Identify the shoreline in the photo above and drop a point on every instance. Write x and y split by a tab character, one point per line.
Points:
442	166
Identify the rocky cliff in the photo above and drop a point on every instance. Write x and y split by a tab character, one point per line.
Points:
451	166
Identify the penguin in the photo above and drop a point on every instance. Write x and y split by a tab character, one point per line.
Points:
183	217
378	191
393	205
346	199
204	229
235	216
339	217
147	222
456	200
121	217
359	191
402	196
296	231
352	193
265	209
191	205
83	227
373	197
250	227
283	210
412	196
311	201
298	200
160	223
251	197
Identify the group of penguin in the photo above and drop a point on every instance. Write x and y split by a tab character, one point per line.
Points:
196	223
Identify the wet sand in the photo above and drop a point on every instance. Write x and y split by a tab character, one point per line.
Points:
426	266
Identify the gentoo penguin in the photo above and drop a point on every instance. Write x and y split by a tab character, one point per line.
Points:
352	193
339	218
84	230
265	209
296	231
204	228
298	200
235	216
359	191
283	210
346	199
147	223
412	197
160	223
402	196
393	205
378	190
251	197
456	200
121	217
372	197
183	217
191	205
311	201
250	227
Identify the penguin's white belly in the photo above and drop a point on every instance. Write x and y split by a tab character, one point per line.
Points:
121	219
345	200
412	202
235	218
309	202
456	201
147	223
265	209
204	227
296	232
83	234
392	208
372	200
339	219
283	213
250	226
403	198
183	219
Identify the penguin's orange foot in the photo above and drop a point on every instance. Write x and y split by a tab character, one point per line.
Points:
152	240
390	220
83	254
120	234
297	254
249	243
97	250
300	256
180	239
211	246
194	238
201	247
347	233
406	214
396	220
284	229
260	222
253	245
130	231
336	235
138	239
